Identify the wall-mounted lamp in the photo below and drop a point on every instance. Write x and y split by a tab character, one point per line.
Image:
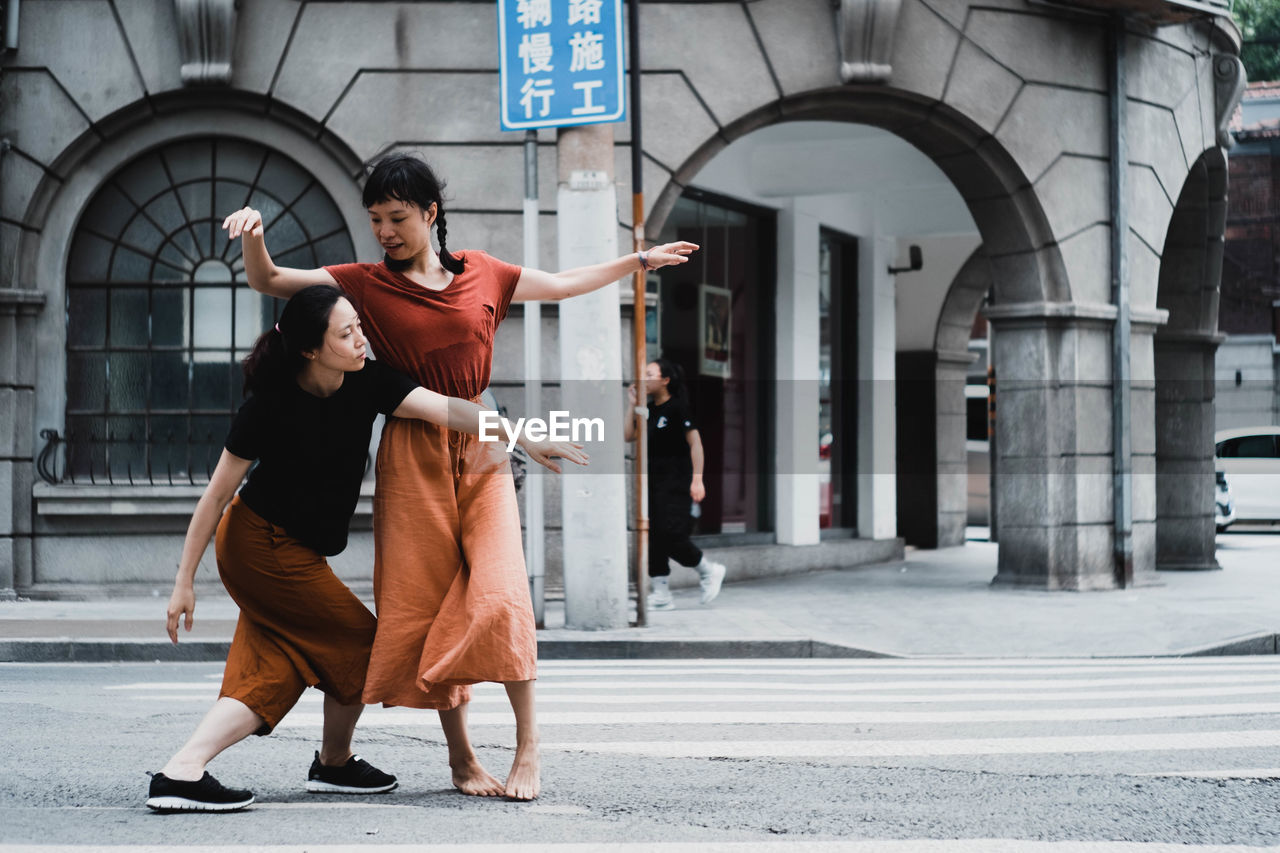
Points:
917	261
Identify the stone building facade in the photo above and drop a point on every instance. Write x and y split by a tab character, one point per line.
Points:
812	143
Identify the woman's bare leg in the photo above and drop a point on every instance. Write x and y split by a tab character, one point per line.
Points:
339	727
228	722
524	781
469	776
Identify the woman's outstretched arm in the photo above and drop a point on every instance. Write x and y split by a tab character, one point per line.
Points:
537	285
222	487
464	416
264	276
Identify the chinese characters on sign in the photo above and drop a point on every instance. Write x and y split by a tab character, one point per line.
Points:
560	62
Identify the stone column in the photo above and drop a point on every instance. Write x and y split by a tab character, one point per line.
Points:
1053	438
877	421
1184	427
593	505
1142	441
952	419
18	309
796	416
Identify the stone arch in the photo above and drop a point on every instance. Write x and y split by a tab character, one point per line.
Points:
78	172
1185	348
1021	264
1015	230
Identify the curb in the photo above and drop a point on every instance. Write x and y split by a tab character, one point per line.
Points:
215	651
65	650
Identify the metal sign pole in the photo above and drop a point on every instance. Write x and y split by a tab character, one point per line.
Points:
639	308
534	507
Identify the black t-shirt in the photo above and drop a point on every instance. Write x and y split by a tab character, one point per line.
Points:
669	457
312	451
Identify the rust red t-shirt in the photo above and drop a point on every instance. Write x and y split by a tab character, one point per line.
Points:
441	338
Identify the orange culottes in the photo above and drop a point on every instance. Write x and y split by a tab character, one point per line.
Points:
449	578
299	625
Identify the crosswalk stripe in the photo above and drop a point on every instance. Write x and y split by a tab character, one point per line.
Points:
671	686
802	717
682	687
931	662
1060	744
911	845
488	697
1239	773
543	670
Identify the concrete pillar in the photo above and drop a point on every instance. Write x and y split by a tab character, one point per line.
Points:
1053	440
18	309
950	377
1184	427
1142	441
796	477
593	506
877	422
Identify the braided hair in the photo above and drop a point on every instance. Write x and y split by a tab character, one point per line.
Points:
408	178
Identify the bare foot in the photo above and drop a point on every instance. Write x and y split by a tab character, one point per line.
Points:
472	779
525	780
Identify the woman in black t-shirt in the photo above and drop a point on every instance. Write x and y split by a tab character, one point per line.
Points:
308	424
675	482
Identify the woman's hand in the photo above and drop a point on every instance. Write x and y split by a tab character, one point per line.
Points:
697	491
245	219
670	253
543	452
632	398
181	603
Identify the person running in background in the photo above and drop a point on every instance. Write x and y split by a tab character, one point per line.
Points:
675	482
450	584
308	423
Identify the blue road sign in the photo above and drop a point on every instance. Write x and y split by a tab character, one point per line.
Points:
560	62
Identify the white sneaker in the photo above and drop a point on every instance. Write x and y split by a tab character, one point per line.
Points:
660	599
712	577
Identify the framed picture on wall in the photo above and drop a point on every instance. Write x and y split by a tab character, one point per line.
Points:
715	306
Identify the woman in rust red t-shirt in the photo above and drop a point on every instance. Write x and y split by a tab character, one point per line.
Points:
449	576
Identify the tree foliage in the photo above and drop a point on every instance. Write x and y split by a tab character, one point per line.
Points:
1259	21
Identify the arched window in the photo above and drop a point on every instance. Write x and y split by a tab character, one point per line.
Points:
158	314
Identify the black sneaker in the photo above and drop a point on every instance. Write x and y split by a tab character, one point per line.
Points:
206	795
357	776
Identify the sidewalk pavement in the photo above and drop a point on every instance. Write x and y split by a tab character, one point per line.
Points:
933	603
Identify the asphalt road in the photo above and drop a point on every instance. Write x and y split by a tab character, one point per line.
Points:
922	755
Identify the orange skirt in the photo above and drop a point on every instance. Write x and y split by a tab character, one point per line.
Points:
449	577
299	624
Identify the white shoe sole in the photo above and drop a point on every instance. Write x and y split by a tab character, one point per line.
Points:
182	804
663	605
315	786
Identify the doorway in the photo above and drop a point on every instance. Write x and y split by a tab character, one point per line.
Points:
837	381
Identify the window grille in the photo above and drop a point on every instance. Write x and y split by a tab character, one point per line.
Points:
158	312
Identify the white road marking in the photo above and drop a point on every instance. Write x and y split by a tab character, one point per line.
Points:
913	845
1269	668
1246	773
930	747
794	716
918	663
489	697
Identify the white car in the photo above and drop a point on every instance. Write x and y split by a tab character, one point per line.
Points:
1250	457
